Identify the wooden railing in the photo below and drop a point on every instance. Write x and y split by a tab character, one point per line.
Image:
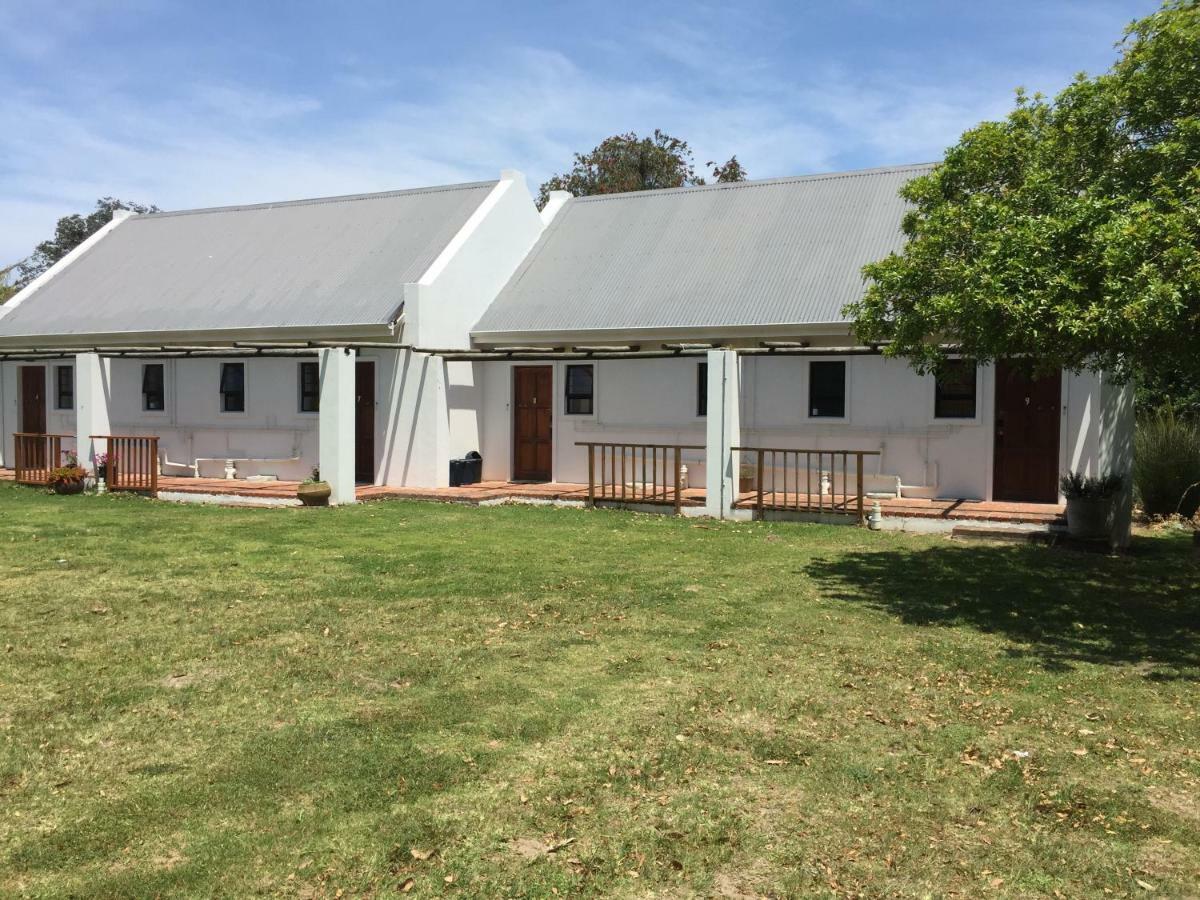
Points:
785	479
36	454
637	473
132	462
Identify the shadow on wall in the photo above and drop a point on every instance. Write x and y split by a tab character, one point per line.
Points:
1057	607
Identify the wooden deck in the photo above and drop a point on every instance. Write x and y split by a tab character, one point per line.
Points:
499	491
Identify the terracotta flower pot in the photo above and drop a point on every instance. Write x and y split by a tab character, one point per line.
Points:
314	493
1087	518
67	486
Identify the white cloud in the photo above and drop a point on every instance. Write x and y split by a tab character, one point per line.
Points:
379	127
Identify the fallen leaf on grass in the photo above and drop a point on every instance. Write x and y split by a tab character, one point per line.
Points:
407	885
421	854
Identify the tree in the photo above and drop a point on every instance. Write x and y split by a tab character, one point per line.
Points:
1067	234
625	162
6	289
69	233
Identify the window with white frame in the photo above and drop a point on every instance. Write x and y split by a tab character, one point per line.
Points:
580	390
64	387
310	387
233	387
154	395
827	389
954	390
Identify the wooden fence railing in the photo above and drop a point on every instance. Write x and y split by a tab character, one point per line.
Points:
637	473
786	479
132	462
36	454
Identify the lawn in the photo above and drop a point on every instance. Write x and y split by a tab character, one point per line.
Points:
407	698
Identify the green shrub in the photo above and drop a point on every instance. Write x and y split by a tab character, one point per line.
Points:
1077	486
1166	463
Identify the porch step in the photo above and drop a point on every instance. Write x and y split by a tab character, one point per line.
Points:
1028	534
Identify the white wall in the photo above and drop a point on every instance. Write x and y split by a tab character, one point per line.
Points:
192	425
57	421
890	409
428	411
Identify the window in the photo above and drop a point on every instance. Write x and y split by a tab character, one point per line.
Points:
954	391
579	390
310	387
153	395
827	390
702	389
64	383
233	387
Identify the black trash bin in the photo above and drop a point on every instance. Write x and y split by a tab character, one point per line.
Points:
468	470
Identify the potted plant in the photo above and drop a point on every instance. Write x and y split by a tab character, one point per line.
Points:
1089	503
67	478
101	473
313	491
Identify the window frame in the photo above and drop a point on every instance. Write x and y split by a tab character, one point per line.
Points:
568	396
223	394
808	392
146	408
702	389
58	388
316	392
977	396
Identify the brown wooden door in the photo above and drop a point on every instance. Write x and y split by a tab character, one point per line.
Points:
364	422
533	411
33	399
1027	422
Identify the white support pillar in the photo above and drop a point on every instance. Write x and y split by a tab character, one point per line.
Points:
92	392
1116	451
336	422
724	433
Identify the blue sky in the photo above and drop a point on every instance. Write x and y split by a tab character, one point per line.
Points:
201	103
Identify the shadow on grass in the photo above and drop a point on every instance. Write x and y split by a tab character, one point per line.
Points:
1059	607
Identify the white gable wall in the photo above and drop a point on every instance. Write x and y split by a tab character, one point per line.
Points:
464	280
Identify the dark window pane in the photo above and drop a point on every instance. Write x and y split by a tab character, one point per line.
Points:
702	389
827	390
65	382
310	387
233	387
954	391
579	390
153	396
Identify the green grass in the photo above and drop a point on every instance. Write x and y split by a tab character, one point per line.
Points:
202	701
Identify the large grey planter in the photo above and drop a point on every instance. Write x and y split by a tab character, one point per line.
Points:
1089	519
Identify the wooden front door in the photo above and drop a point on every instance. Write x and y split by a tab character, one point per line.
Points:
33	399
364	422
533	423
1027	422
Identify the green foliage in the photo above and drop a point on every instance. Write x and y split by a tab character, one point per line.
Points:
1166	463
1069	232
6	288
69	233
1077	486
625	162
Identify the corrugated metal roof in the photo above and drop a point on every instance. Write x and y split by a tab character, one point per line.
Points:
332	261
787	251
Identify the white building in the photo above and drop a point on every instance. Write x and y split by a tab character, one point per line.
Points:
381	336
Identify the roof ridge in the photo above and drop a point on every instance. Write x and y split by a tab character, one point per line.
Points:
315	201
757	182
